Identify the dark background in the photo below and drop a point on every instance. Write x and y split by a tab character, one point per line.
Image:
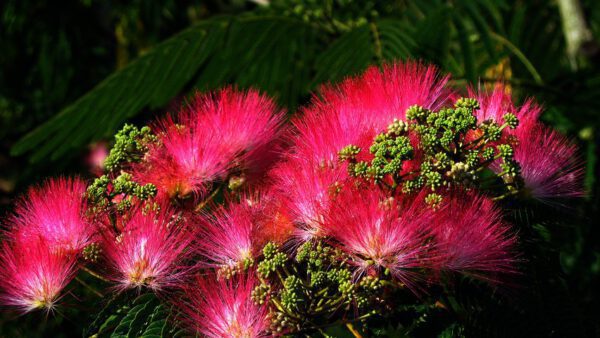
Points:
57	99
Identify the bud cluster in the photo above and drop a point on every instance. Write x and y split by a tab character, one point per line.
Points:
451	146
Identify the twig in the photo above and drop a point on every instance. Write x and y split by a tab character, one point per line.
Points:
353	330
208	199
92	273
89	287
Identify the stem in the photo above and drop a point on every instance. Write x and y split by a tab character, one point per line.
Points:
93	274
534	73
208	199
505	195
353	330
89	287
377	41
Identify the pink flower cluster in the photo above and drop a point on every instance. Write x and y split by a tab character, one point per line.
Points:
295	190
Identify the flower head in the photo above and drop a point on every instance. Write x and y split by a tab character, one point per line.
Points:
249	124
219	308
56	212
149	251
227	237
496	103
380	233
471	237
549	163
212	136
33	273
366	104
305	189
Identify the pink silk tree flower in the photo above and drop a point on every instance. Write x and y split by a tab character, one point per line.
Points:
213	136
305	189
248	122
550	165
381	234
33	273
496	103
273	221
56	211
366	104
226	238
219	308
150	251
471	237
97	154
185	162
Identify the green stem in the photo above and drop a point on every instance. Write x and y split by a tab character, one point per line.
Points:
208	199
89	287
93	274
534	73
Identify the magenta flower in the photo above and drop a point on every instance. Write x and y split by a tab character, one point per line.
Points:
214	135
224	308
381	233
550	165
56	211
226	237
495	104
149	251
33	273
305	189
471	237
248	122
359	107
185	162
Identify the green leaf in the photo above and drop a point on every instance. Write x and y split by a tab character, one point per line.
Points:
125	317
149	81
349	54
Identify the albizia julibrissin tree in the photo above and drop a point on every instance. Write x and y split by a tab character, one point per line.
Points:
363	212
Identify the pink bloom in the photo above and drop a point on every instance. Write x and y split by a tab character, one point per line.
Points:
212	136
185	162
226	237
96	156
149	251
471	237
248	122
495	104
33	273
550	165
224	308
366	104
56	212
305	189
274	223
381	233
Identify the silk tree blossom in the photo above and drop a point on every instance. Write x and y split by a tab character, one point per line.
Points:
33	273
305	189
496	103
271	217
362	106
472	238
381	233
550	165
549	161
231	237
56	211
249	124
150	251
219	308
214	135
226	238
185	162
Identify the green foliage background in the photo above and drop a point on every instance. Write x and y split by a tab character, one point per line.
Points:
72	73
